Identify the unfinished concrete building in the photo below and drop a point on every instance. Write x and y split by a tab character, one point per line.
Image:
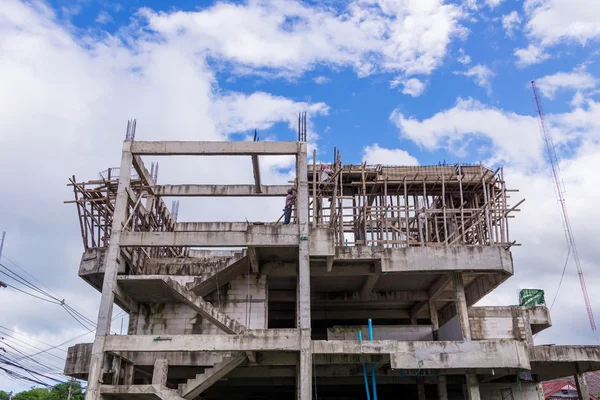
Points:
278	316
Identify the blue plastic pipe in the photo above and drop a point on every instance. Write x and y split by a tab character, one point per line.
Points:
365	370
372	364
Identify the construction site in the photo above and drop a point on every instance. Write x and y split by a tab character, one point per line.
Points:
369	291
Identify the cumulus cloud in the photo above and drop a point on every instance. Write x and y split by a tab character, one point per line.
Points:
530	55
463	58
289	37
103	17
321	79
64	105
493	3
554	21
413	86
511	22
480	74
380	155
578	79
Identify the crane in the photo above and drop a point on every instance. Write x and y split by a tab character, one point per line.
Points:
560	195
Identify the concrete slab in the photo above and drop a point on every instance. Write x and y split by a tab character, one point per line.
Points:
196	148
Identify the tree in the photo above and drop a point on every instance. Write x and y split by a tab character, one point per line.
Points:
61	391
33	394
3	395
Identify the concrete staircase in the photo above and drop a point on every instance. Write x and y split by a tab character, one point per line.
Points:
204	308
141	392
209	282
210	376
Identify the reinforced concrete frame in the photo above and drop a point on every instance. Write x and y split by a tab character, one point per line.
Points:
441	233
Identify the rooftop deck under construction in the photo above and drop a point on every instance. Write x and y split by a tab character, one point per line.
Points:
411	249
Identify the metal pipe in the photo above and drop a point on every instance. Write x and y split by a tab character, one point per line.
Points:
372	364
364	370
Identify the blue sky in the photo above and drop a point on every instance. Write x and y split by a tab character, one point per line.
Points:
390	82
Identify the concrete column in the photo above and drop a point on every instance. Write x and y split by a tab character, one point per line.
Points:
461	305
433	315
442	389
540	391
304	369
161	370
110	277
582	387
472	387
128	374
421	390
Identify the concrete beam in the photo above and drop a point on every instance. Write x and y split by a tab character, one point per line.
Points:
274	268
252	340
221	190
351	299
456	258
345	314
434	292
258	235
211	227
195	148
435	355
368	285
143	173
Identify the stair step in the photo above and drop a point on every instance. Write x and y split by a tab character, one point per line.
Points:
236	265
210	376
204	308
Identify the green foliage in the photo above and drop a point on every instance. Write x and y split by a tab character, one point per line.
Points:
57	392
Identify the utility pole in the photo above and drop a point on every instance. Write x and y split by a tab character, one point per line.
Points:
70	384
10	394
2	284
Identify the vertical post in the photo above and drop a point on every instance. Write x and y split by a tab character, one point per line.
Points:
420	389
70	385
160	372
444	210
473	387
462	204
2	243
314	188
110	277
433	315
442	389
406	212
582	387
373	364
461	305
304	369
128	374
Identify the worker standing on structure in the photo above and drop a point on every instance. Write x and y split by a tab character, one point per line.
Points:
327	174
290	200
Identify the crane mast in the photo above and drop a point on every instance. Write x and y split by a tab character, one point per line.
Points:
560	194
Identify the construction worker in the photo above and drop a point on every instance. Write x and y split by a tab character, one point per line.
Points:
290	200
326	174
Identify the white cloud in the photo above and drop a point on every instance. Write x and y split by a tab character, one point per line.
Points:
413	86
512	136
577	100
290	37
493	3
321	79
103	17
464	59
530	55
553	21
480	74
75	94
511	22
379	155
579	79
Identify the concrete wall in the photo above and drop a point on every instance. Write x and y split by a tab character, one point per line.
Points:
450	330
404	333
176	318
498	328
493	391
